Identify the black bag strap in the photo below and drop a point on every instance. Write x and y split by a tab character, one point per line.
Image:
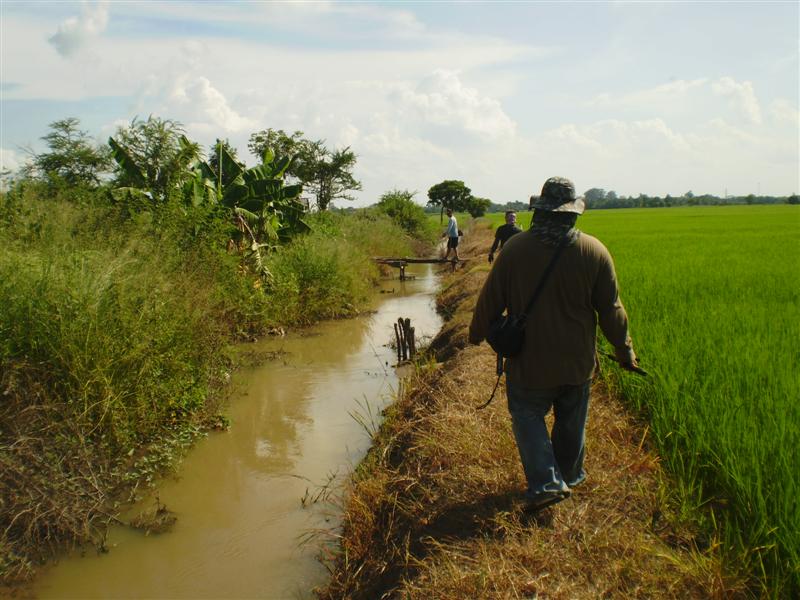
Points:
531	302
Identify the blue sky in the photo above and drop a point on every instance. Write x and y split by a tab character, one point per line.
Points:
640	97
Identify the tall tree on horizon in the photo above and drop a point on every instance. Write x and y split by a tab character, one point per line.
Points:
450	193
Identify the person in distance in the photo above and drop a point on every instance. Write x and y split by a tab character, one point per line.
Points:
504	233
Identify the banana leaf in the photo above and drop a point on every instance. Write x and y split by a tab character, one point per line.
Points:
266	188
205	170
129	193
199	191
127	163
250	217
235	194
188	153
230	168
290	192
280	165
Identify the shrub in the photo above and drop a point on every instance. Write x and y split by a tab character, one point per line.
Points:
400	207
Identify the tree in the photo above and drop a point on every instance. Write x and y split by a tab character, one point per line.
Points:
326	174
153	155
477	206
793	199
280	143
72	157
594	196
450	194
329	177
401	208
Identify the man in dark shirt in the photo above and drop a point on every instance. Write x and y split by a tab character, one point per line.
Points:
504	232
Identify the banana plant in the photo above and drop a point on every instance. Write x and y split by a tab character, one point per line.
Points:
265	211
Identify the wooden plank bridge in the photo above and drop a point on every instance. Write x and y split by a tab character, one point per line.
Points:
401	263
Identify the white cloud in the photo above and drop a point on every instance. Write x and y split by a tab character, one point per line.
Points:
204	105
658	157
742	95
687	96
570	135
75	32
784	112
442	99
673	91
618	140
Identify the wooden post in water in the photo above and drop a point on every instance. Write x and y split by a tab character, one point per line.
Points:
403	337
407	335
397	339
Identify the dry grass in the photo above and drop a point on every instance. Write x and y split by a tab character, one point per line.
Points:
434	510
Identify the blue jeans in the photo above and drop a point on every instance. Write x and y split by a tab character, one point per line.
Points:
550	465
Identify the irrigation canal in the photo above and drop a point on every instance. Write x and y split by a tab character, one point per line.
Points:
238	493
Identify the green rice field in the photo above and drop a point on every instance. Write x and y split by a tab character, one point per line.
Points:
713	294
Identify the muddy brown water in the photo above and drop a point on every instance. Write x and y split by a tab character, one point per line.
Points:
295	422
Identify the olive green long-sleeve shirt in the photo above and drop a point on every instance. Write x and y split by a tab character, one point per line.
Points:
561	328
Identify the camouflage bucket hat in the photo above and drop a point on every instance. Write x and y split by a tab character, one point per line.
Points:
558	195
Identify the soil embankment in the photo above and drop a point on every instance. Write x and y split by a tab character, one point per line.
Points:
435	508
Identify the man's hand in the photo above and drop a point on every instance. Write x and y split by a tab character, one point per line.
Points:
634	367
491	257
630	366
626	358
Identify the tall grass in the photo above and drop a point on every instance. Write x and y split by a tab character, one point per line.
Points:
713	296
329	273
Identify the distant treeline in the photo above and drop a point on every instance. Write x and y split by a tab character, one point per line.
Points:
597	198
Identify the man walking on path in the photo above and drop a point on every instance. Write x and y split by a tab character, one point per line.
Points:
452	235
504	232
555	366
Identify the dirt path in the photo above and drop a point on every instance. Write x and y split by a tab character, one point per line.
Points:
435	508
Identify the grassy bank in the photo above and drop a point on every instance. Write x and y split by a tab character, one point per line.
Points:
435	508
114	331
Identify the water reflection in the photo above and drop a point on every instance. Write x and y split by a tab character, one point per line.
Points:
238	495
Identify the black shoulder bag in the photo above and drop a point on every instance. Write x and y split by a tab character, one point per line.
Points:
507	333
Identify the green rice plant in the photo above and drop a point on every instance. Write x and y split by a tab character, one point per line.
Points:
713	296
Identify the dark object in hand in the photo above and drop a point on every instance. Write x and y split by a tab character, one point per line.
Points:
626	365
